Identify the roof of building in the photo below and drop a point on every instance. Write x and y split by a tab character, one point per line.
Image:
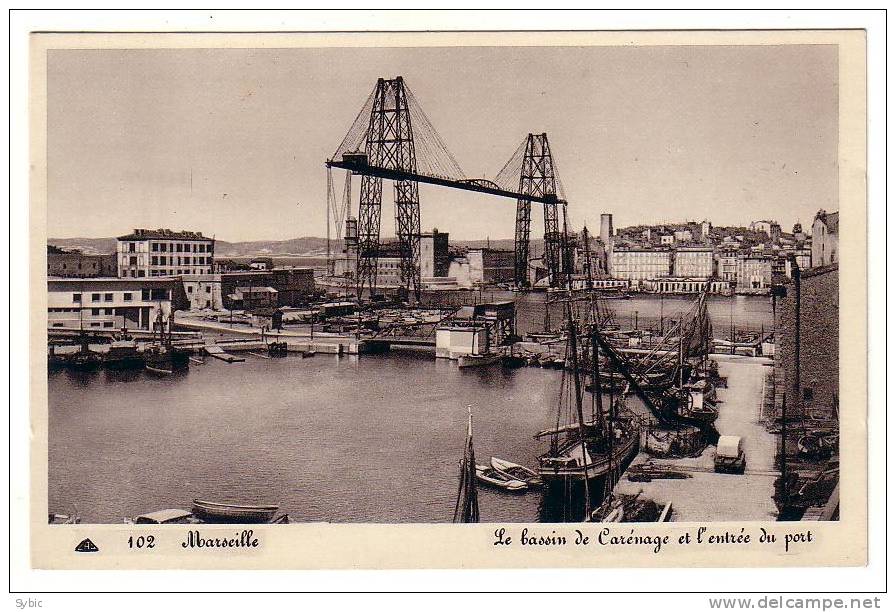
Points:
817	270
113	281
163	234
831	220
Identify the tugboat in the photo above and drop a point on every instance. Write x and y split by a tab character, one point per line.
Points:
84	359
123	353
161	357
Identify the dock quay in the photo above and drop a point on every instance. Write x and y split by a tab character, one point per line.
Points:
215	350
705	494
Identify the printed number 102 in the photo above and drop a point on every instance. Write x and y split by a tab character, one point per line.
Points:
142	542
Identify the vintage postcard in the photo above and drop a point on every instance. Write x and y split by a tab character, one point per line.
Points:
448	300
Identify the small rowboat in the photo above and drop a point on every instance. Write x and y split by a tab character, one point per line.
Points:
493	477
215	512
158	371
475	361
517	472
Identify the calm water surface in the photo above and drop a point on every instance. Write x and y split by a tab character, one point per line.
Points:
342	439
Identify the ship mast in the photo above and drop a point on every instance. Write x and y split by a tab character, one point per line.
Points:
573	331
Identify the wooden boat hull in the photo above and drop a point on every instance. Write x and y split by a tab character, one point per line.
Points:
492	477
215	512
512	361
475	361
597	468
516	471
158	371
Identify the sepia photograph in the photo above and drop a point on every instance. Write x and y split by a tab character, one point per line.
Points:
274	294
547	285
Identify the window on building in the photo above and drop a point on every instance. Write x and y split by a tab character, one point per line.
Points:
128	296
132	247
108	323
208	289
76	297
155	246
107	297
94	297
133	260
189	288
163	247
94	311
140	274
154	260
57	325
144	295
94	324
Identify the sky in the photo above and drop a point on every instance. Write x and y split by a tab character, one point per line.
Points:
232	142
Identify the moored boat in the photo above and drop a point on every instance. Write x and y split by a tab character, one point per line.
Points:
495	478
572	462
124	354
178	516
622	508
84	360
218	512
516	471
513	361
478	360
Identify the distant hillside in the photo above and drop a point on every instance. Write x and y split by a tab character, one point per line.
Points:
86	245
305	247
308	246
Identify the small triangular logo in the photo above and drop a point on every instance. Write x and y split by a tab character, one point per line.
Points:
86	546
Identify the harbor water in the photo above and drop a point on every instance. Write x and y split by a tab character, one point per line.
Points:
328	438
746	313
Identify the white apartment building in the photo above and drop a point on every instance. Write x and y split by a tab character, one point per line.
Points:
754	273
641	264
150	253
693	263
728	266
95	304
203	291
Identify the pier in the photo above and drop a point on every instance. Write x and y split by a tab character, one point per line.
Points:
724	497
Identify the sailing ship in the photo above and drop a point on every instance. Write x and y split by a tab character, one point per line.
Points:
583	450
466	508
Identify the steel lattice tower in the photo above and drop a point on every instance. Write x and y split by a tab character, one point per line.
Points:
390	145
537	178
